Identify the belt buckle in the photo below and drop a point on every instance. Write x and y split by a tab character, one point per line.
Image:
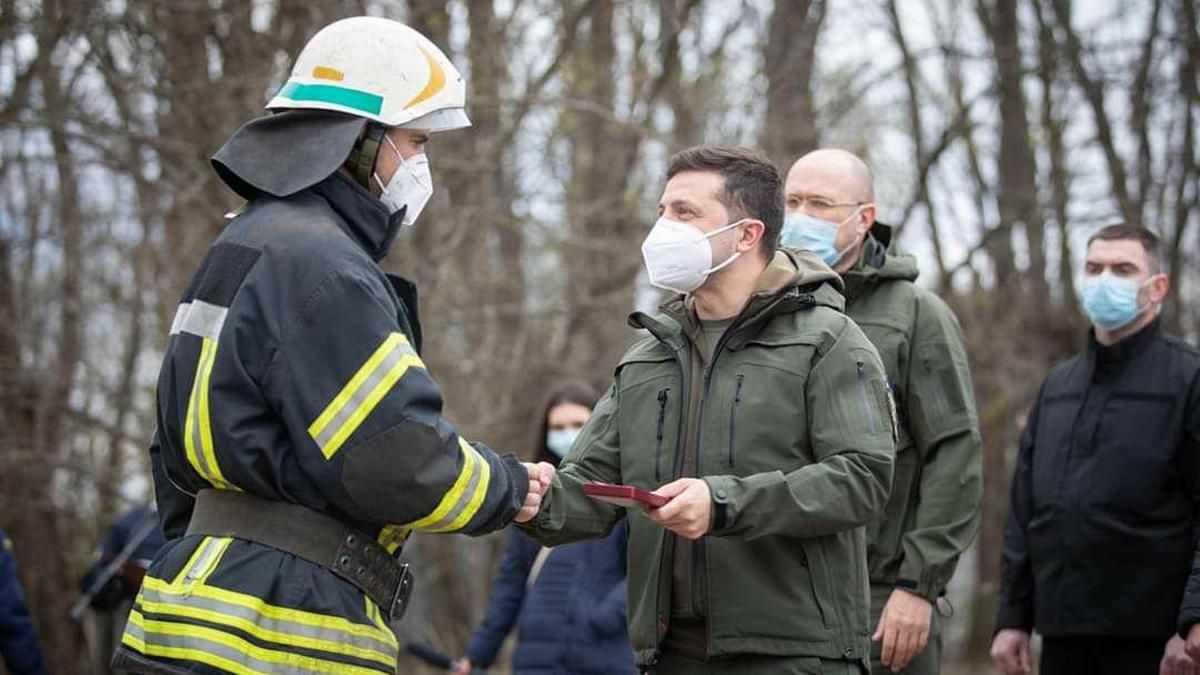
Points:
401	595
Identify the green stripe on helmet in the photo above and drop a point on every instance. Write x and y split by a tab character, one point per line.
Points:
328	93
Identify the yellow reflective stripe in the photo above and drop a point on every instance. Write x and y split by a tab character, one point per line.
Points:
197	433
391	537
463	500
259	606
261	632
182	653
191	633
355	382
206	439
189	425
346	412
374	615
377	393
190	563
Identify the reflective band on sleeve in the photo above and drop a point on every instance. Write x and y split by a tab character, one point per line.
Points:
346	413
465	497
392	537
197	432
199	318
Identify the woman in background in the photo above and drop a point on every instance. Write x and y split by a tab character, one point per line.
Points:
567	603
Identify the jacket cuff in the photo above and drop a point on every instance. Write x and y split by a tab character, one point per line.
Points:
924	588
723	514
1016	617
520	486
481	655
1188	617
927	582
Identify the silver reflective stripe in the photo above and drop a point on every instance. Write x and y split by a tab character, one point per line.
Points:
266	623
195	642
180	312
212	548
468	494
361	393
199	318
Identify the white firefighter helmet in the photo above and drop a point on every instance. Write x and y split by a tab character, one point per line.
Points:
379	69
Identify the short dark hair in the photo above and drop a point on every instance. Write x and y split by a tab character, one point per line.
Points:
753	187
578	392
1124	232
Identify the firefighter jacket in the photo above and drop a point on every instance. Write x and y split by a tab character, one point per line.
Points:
293	373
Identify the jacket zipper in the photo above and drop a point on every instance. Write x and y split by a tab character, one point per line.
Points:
700	558
862	387
737	401
662	418
659	618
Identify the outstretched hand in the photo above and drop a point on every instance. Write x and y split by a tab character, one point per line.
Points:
540	475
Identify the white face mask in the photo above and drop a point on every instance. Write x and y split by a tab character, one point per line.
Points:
411	185
679	256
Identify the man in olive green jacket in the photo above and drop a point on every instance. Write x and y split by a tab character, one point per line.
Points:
762	411
933	512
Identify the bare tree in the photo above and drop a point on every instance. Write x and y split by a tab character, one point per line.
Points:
790	130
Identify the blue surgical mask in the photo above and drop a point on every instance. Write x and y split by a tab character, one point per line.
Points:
1111	302
559	441
818	235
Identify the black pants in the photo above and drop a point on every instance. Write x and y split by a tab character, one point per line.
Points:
1101	655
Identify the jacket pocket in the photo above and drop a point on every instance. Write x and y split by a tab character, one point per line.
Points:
733	410
869	409
818	576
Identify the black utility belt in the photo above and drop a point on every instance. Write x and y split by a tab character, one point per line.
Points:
313	536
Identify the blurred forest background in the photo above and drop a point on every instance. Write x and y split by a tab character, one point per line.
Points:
1002	132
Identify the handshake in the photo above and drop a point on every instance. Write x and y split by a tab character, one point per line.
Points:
540	475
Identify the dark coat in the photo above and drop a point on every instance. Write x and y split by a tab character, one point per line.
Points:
1103	516
572	620
18	641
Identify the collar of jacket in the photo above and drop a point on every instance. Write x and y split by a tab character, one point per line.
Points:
880	261
364	217
794	280
1126	349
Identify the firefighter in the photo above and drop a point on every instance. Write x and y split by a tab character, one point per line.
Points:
300	438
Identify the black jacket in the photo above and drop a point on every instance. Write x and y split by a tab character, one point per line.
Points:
1102	520
292	373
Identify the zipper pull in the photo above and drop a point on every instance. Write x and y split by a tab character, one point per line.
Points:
662	417
737	401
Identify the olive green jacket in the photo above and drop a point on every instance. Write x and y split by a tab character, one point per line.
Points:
933	513
795	434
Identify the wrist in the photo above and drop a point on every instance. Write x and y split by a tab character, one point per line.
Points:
721	493
921	585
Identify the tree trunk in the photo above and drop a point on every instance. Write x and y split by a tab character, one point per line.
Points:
790	129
